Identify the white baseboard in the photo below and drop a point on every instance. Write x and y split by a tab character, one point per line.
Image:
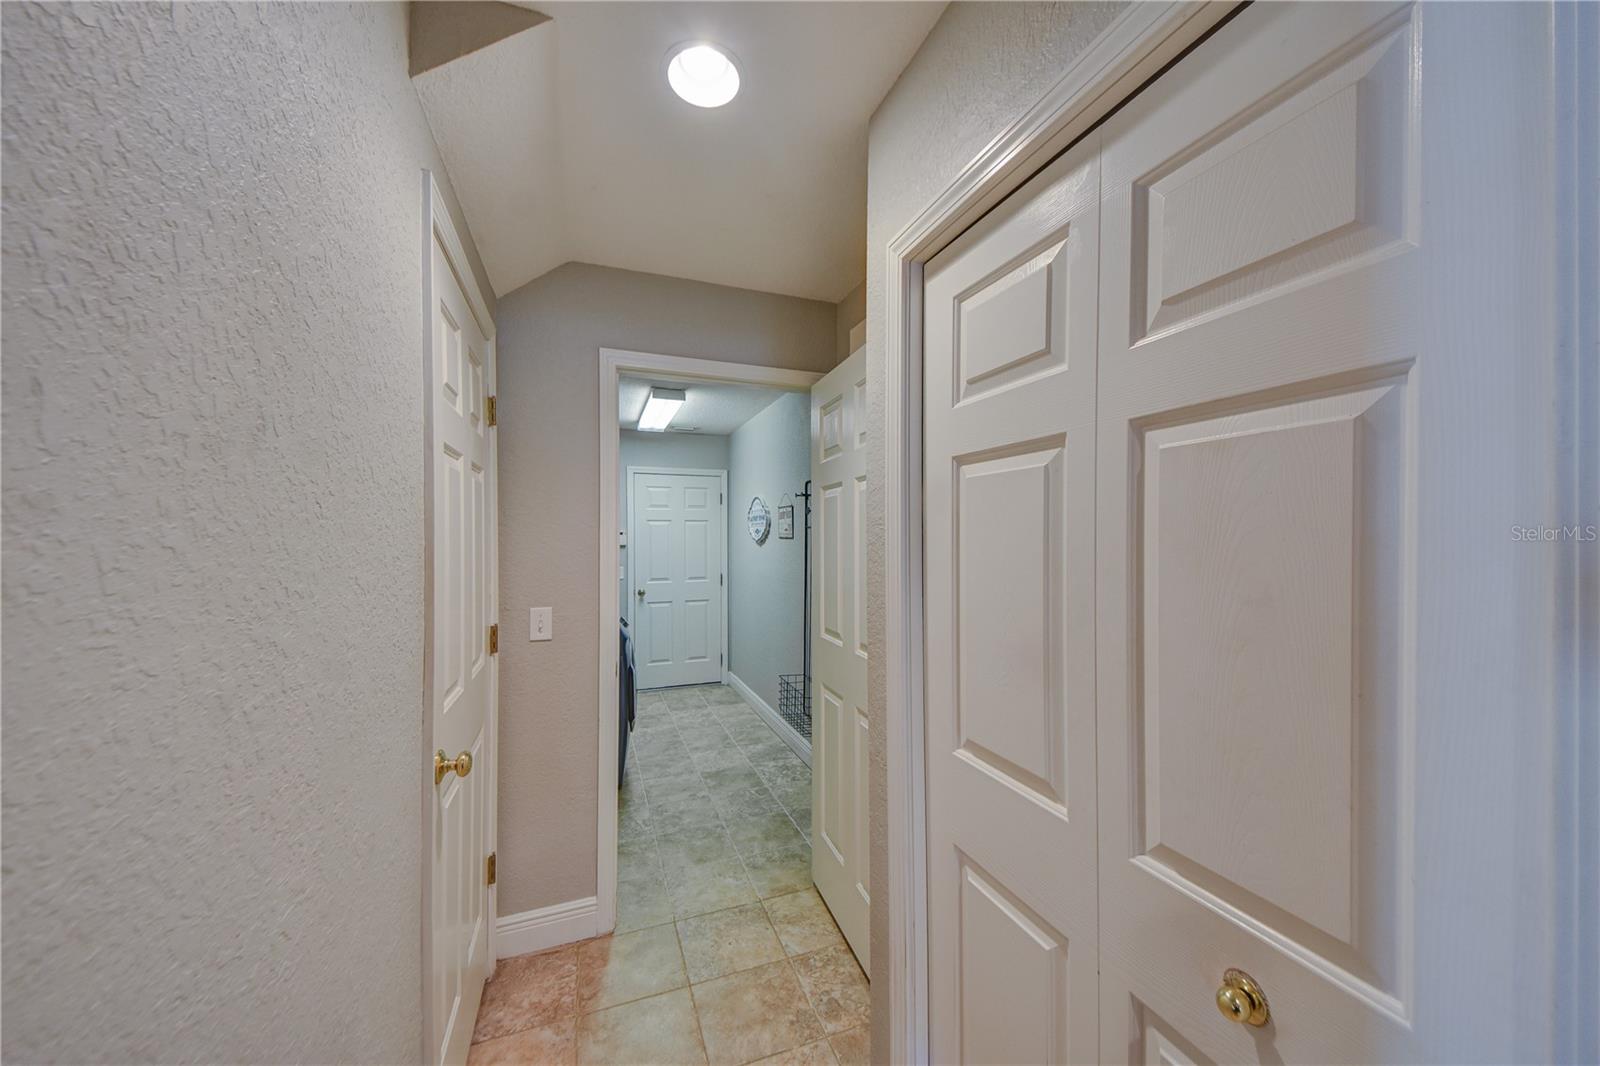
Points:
801	746
547	927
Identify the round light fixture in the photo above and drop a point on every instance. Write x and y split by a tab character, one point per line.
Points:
703	75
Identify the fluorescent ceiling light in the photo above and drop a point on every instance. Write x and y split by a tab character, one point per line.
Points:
703	74
659	409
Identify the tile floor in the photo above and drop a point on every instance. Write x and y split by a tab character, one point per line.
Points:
723	951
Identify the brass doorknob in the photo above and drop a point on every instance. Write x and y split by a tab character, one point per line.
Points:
461	764
638	592
1241	1000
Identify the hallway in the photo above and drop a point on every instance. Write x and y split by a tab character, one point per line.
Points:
723	950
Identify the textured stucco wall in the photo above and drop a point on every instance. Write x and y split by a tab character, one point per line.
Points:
768	456
550	335
212	579
981	67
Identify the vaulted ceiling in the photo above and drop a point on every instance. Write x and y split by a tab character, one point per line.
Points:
564	142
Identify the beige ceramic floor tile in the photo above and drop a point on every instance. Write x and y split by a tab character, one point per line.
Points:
724	942
853	1048
780	870
754	1014
660	1030
526	991
554	1044
642	901
817	1054
803	923
836	987
712	886
629	966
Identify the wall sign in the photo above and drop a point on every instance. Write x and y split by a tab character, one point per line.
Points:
759	520
786	521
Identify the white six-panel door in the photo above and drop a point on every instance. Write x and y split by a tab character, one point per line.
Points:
1309	359
1009	443
839	648
1209	554
461	669
676	564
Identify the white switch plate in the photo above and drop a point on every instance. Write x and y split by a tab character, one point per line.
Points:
541	623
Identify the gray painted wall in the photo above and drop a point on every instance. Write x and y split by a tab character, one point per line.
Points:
671	451
981	67
768	456
213	566
550	334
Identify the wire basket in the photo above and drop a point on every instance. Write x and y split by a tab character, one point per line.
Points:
794	702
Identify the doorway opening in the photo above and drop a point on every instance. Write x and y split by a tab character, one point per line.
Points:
708	834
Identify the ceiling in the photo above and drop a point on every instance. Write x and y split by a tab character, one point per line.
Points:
709	407
564	143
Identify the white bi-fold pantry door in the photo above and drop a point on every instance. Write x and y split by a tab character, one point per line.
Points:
839	738
1008	426
1223	413
675	557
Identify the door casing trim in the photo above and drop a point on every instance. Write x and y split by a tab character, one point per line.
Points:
614	363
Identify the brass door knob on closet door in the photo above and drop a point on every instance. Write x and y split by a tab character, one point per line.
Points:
639	593
461	764
1241	1000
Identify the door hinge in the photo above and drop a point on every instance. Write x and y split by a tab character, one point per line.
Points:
488	869
489	414
494	639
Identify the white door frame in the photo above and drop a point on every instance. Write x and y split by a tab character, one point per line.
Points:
722	508
437	224
1142	41
614	364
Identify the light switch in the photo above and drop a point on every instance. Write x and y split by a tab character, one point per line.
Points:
541	623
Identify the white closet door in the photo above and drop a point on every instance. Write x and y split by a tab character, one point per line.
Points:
677	574
1310	418
1009	335
839	743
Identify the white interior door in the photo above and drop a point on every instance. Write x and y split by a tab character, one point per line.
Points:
1008	424
461	670
676	560
1223	601
839	648
1309	419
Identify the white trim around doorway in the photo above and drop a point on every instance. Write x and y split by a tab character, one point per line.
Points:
615	363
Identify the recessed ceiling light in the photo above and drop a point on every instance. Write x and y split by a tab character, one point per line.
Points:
703	74
659	409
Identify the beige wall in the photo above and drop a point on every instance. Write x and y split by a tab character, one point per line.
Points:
852	309
982	65
550	335
213	450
